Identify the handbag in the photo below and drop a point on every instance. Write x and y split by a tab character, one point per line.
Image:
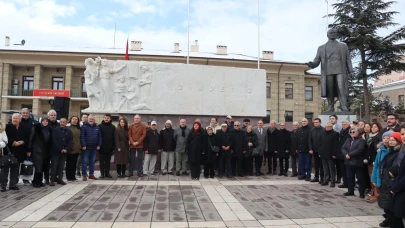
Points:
8	160
214	149
255	152
27	168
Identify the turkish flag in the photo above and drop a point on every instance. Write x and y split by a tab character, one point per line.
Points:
126	52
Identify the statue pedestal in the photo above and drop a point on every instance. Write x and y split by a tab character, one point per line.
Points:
341	116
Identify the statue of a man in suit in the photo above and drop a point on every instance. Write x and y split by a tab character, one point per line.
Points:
336	65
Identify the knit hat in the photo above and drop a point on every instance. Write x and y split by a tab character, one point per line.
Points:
397	136
387	134
169	122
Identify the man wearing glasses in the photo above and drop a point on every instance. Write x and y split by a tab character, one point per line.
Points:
392	123
239	148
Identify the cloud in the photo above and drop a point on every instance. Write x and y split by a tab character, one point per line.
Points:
292	29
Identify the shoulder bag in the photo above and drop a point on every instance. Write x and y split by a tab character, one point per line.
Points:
214	149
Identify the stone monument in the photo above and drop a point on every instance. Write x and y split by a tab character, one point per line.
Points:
155	88
336	65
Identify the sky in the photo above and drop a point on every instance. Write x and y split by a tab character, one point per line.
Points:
293	29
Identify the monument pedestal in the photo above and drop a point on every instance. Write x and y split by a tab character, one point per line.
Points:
341	117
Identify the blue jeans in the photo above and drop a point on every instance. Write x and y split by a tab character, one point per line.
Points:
88	158
132	153
304	159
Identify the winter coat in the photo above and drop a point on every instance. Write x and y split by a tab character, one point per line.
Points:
294	143
20	134
230	127
385	201
37	145
251	138
372	149
107	131
61	139
303	139
151	143
180	140
314	140
343	137
28	123
166	140
76	146
398	187
224	139
377	168
53	124
355	148
136	133
90	136
273	140
195	146
284	144
329	144
209	142
239	142
121	155
3	138
396	128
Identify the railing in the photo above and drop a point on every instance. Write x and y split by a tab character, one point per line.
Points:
78	93
20	92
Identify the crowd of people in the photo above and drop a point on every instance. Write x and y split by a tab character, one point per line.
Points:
351	154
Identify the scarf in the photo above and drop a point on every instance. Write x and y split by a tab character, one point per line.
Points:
370	138
183	131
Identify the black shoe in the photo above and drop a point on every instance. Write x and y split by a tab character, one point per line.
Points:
314	180
280	174
257	174
321	181
301	177
348	194
177	173
185	173
36	185
229	176
212	177
308	179
342	186
274	172
268	172
78	174
101	177
108	175
221	176
164	174
171	173
294	175
285	174
338	181
206	177
3	189
261	174
332	185
14	188
384	223
47	182
362	196
241	175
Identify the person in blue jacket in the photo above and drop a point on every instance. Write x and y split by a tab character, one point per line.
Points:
90	139
61	143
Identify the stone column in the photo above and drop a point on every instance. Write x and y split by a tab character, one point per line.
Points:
36	103
6	71
68	84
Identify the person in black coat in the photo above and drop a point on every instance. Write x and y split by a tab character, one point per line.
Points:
398	184
61	144
167	145
328	153
11	169
239	148
152	148
252	142
107	130
211	153
294	148
304	157
38	148
284	150
273	140
341	167
225	145
195	148
354	152
314	147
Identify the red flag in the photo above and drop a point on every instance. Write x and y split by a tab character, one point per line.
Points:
126	52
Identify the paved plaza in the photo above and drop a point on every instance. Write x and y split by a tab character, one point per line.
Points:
171	201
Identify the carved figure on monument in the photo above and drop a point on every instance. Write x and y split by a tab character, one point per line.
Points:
336	65
120	98
145	86
91	82
105	73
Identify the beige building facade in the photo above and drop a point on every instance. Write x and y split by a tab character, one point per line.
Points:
394	90
291	92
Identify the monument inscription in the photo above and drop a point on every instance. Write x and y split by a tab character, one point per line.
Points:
173	88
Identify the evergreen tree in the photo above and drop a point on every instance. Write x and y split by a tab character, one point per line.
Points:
357	22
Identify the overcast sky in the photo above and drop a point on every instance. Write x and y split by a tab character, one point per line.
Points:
293	29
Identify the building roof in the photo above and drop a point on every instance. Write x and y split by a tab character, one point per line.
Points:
400	84
121	51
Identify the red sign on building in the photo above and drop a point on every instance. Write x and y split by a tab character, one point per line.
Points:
51	93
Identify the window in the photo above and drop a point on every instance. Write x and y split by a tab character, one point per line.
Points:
289	90
289	116
84	90
268	89
57	83
309	116
309	95
28	86
267	118
401	99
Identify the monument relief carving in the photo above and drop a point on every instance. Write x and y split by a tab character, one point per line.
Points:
173	88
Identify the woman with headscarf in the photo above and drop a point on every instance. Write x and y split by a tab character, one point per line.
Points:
195	148
73	154
212	153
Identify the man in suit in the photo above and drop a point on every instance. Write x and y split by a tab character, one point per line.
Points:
261	147
273	140
336	64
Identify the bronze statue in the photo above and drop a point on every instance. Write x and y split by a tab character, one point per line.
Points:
336	65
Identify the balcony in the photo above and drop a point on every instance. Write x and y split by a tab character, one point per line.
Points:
77	93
